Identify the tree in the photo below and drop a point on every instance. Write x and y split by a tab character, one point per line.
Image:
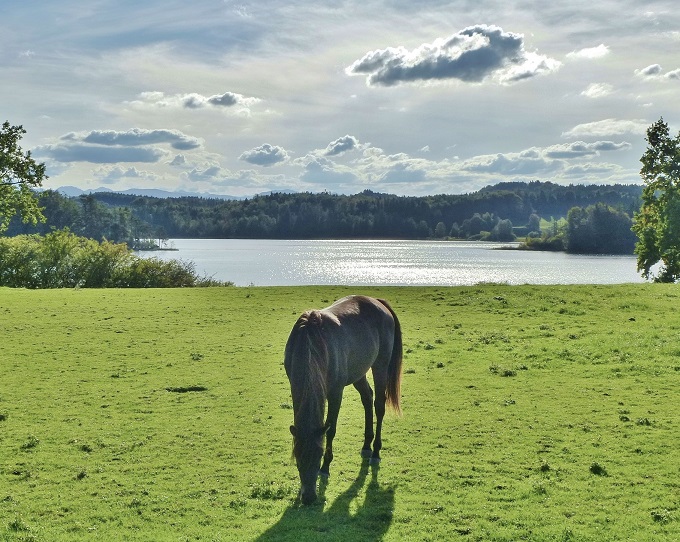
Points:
502	231
598	229
19	176
657	224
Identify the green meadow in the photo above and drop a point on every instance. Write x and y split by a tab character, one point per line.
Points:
541	413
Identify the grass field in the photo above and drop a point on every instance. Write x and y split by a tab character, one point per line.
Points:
530	413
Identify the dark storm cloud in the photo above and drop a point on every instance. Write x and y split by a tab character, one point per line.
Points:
472	55
265	155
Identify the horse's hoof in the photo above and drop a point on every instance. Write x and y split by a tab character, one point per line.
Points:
375	461
366	454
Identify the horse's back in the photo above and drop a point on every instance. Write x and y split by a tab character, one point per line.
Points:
360	333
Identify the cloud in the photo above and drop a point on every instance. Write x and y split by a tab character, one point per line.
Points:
404	172
598	90
654	72
607	127
536	160
109	175
472	55
208	174
265	155
325	172
178	161
579	149
110	146
526	163
99	154
590	53
139	137
651	71
341	145
194	101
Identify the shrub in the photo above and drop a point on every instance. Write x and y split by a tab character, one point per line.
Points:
62	259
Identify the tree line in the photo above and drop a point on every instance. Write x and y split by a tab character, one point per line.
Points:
500	212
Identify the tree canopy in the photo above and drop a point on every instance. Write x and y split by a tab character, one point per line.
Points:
657	224
20	174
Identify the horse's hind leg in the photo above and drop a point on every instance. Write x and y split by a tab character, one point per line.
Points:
364	389
380	383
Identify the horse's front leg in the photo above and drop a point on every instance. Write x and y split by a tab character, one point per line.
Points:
334	401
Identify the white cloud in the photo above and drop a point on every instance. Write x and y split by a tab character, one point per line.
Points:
193	100
179	161
97	154
607	127
111	175
473	55
590	53
265	155
324	172
598	90
526	163
209	173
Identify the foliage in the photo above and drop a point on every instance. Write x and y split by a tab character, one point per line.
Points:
126	218
62	259
549	235
657	224
88	217
477	456
19	176
598	229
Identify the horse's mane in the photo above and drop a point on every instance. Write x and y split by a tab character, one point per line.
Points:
309	365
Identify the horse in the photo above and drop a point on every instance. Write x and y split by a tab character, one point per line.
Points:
327	350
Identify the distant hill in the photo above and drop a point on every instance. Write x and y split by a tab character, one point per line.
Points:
144	213
74	191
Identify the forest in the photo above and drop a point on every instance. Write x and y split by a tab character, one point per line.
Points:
504	211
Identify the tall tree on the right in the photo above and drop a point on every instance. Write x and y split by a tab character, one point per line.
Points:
657	224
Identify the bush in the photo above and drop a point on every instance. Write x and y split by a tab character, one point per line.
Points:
62	259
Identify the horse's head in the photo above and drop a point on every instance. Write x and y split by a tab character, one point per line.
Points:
308	450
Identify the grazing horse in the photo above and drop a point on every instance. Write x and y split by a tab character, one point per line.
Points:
327	350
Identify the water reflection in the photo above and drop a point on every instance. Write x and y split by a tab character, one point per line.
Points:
436	263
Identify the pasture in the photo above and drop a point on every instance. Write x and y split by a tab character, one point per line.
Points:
542	413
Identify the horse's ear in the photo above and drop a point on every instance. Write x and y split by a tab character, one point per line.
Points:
293	431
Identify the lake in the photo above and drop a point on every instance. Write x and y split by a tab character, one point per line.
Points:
266	262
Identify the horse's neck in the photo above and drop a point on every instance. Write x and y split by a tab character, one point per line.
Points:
309	411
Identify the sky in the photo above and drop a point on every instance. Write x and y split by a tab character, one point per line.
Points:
397	96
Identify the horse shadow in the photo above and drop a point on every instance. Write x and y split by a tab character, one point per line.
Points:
370	522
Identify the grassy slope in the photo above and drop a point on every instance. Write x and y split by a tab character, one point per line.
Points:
538	413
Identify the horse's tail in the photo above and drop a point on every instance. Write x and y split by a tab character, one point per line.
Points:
310	358
394	368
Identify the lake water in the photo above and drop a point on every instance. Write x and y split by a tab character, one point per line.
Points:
265	262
